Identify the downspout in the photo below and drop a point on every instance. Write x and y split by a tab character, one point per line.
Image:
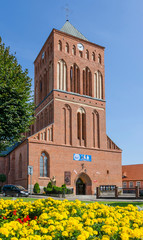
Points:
27	162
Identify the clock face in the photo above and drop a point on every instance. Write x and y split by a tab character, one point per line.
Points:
80	46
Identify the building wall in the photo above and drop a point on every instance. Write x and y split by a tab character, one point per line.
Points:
104	169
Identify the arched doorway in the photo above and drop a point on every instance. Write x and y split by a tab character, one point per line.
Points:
83	184
80	187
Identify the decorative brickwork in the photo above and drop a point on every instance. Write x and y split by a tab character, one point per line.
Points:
70	120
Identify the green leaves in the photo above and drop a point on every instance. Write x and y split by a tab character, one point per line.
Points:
16	101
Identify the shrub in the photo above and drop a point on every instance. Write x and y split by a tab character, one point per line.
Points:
36	188
49	185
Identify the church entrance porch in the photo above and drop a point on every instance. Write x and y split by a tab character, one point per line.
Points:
83	185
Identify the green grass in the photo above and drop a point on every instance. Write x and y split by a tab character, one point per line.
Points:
25	199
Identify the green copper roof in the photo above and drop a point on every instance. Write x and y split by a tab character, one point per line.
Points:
70	29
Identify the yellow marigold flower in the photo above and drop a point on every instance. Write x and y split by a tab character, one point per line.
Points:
105	237
81	237
65	234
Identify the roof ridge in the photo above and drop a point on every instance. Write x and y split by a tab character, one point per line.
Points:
70	29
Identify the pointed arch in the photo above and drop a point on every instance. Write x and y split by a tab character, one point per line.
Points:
60	45
81	125
67	124
75	78
44	164
87	54
61	75
87	82
98	85
99	58
96	129
74	50
67	48
93	56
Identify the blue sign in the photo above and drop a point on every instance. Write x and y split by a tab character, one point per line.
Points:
81	157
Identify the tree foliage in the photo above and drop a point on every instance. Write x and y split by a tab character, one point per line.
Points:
16	105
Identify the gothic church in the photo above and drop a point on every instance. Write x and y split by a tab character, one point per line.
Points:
68	140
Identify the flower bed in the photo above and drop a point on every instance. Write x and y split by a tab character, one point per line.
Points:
48	219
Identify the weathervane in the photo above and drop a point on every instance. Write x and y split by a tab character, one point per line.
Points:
67	12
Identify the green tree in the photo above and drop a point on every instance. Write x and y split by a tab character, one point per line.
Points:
16	105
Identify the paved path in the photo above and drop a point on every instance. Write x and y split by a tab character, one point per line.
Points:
89	198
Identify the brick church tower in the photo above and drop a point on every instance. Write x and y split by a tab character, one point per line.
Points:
68	140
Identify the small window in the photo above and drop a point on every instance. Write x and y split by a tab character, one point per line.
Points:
131	184
138	184
74	50
80	54
124	184
87	54
60	45
99	59
93	56
67	48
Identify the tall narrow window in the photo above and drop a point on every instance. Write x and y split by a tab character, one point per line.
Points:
74	50
67	125
75	79
98	85
67	48
60	45
61	75
87	54
20	166
87	82
44	165
99	59
93	56
81	125
80	54
96	130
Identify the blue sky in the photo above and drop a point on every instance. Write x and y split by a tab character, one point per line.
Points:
115	24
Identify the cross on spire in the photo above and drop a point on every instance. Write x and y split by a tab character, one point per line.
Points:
67	12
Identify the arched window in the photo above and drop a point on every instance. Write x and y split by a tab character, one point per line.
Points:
67	48
20	166
96	132
74	50
99	58
67	124
80	54
61	75
93	56
75	79
98	85
81	125
87	54
44	165
87	82
60	45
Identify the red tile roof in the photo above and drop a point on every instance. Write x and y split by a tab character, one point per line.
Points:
132	172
